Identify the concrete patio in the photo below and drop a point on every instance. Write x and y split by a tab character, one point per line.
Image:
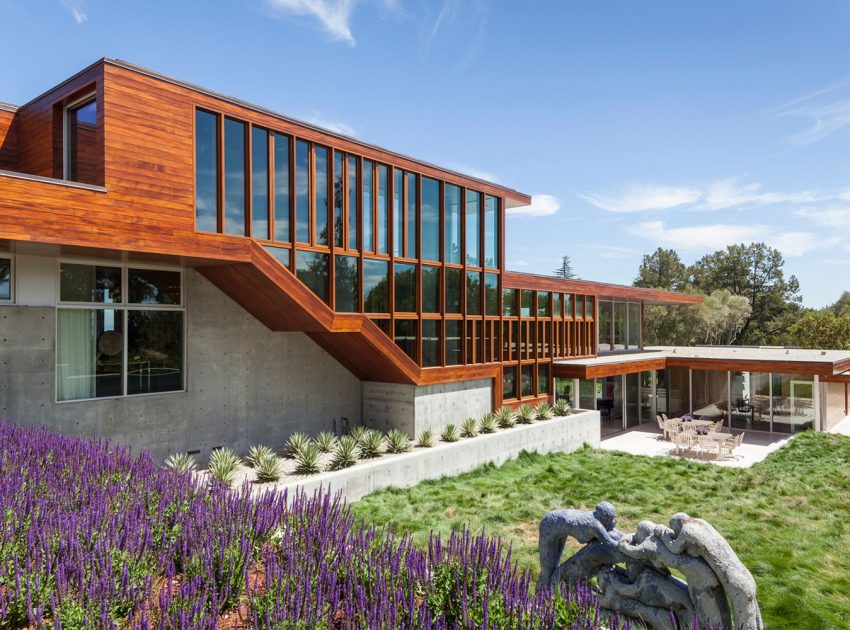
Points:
646	439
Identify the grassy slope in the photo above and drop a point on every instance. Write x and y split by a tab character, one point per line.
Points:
787	517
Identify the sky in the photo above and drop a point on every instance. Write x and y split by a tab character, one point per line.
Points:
634	125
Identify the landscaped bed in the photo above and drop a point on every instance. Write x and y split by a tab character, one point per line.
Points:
93	536
788	517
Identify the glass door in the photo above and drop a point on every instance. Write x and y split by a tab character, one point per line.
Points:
633	399
646	399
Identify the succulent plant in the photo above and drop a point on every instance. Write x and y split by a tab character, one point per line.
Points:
296	443
325	441
345	453
544	411
358	433
469	428
257	454
426	439
307	462
506	417
449	433
223	464
562	408
268	468
372	444
398	442
487	424
525	414
180	462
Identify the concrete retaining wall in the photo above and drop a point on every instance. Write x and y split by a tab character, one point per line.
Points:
560	434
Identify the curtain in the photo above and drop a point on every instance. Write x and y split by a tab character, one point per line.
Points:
76	337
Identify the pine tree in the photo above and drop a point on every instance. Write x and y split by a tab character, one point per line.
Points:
565	270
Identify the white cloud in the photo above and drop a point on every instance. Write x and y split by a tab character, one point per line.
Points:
829	217
729	193
75	10
798	243
541	206
825	112
334	15
519	263
331	125
700	237
473	172
643	197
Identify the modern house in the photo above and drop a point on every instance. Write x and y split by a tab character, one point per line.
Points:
181	270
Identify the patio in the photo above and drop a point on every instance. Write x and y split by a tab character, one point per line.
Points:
646	439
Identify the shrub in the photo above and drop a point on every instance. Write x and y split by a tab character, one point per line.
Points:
256	454
449	433
325	441
345	453
487	424
398	442
297	442
525	414
562	408
268	468
180	462
223	464
307	462
469	428
506	417
426	439
372	444
544	411
358	433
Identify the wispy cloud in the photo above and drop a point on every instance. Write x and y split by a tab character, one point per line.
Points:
825	112
462	21
331	125
541	206
334	15
75	10
643	197
730	193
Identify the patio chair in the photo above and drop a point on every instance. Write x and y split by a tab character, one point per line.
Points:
707	445
661	426
672	427
683	441
729	446
717	427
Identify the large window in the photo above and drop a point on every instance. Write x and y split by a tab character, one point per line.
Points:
473	293
81	154
234	177
509	302
302	192
405	336
322	200
491	294
619	325
412	202
454	342
473	228
281	188
398	212
453	290
383	210
353	198
430	342
430	289
368	187
259	183
119	331
491	231
451	250
312	269
376	288
430	219
206	171
347	295
606	331
405	288
509	389
338	195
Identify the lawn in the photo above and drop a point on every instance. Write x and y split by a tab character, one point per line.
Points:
788	517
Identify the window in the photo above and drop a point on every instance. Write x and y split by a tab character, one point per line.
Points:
543	304
634	325
405	288
619	326
543	378
491	293
568	305
473	293
322	200
491	232
347	295
579	306
556	305
259	183
234	177
430	219
453	288
509	390
430	289
383	210
527	305
509	303
280	253
352	202
282	201
5	279
338	194
473	231
430	342
398	213
405	336
368	184
302	192
376	290
98	304
606	321
451	250
81	154
527	380
588	306
412	202
454	342
206	171
312	269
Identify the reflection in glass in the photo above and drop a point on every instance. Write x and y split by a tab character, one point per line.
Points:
398	212
5	279
281	254
473	341
710	394
491	231
678	392
579	299
206	171
526	308
89	283
556	305
430	289
750	400
405	288
543	378
282	200
89	353
322	201
347	294
634	325
154	351
383	210
453	287
430	219
376	288
527	380
473	228
473	293
338	195
352	202
384	323
587	394
793	402
312	269
619	325
509	303
454	342
82	143
452	223
412	199
491	293
259	183
568	305
606	320
430	342
509	390
153	286
405	336
234	177
302	192
543	304
368	209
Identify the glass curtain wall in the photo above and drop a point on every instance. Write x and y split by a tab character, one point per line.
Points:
750	400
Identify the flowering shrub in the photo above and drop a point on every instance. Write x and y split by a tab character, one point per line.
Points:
93	536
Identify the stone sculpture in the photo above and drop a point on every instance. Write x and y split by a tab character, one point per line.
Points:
633	571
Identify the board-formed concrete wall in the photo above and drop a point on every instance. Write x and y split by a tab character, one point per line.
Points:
414	409
245	383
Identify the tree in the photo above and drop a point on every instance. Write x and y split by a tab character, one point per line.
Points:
565	269
755	272
662	269
822	329
716	321
842	305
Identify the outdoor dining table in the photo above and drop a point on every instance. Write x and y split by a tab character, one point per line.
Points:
695	423
717	437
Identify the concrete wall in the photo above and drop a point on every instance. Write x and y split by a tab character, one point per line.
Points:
414	409
245	384
558	435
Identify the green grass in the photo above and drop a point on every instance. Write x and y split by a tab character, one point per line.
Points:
788	517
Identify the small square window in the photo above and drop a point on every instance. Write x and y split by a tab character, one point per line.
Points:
153	286
89	283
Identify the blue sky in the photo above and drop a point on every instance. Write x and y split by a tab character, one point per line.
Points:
634	124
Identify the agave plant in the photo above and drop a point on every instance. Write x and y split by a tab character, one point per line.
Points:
345	453
358	433
297	442
426	439
372	444
506	417
562	408
307	462
487	424
469	428
268	468
180	462
398	442
325	441
525	414
256	454
223	464
544	411
449	433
